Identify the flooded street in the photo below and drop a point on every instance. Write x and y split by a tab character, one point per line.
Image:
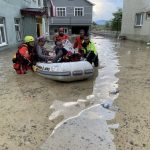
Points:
134	97
107	112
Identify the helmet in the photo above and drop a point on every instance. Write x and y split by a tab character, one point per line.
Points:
28	39
61	29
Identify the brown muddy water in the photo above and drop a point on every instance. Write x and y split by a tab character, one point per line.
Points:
38	113
134	97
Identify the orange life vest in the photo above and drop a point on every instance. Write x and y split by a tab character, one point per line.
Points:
22	60
61	38
78	42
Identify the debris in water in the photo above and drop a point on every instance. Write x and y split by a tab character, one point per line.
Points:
107	106
148	44
114	92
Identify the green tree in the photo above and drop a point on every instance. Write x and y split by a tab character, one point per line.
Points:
94	23
107	25
116	21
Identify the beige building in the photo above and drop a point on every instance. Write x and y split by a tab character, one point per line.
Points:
136	20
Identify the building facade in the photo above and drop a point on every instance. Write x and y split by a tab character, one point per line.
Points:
136	20
73	15
19	18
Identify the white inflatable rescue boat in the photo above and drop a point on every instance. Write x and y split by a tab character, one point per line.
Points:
65	71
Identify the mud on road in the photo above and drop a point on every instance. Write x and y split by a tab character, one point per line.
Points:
30	104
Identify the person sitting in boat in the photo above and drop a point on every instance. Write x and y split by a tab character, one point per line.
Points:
23	59
60	51
78	42
90	52
60	36
42	53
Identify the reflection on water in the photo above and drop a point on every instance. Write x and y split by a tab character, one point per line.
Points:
86	131
89	130
106	80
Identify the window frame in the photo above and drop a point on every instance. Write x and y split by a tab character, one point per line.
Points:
82	11
65	30
148	15
4	29
18	33
39	3
141	19
57	12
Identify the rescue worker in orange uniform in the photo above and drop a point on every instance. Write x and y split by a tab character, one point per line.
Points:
25	56
78	42
60	36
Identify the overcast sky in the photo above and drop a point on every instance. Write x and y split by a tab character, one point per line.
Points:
103	9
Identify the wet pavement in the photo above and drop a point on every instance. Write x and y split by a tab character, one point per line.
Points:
38	113
134	97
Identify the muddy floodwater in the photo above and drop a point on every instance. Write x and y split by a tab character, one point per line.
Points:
106	112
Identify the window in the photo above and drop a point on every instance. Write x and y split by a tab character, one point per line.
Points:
2	32
39	3
78	11
66	30
17	29
55	30
148	15
139	19
61	11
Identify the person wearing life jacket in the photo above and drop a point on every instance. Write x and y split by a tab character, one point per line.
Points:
24	57
90	52
42	52
60	36
78	42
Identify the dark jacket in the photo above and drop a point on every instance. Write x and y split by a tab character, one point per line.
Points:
42	53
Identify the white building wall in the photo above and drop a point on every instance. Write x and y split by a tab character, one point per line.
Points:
10	9
130	8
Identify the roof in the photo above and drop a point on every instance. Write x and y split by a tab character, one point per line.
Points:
33	11
90	2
